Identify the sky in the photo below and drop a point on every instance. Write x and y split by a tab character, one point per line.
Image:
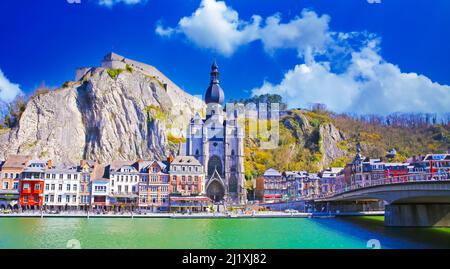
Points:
358	56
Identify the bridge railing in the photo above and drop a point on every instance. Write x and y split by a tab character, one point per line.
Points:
409	178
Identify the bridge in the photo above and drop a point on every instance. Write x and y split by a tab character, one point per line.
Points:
408	201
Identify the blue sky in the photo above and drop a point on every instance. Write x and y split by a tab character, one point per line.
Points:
352	55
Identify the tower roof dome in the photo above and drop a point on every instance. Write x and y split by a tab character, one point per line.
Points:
214	93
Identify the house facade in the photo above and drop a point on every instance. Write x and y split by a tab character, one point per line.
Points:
61	187
154	187
10	175
32	184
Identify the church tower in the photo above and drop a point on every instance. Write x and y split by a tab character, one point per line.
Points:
218	143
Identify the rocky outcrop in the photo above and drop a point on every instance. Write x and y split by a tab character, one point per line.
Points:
104	116
329	144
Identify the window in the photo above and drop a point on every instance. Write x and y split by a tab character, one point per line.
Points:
112	183
67	199
15	185
53	187
74	187
74	198
61	176
69	176
6	186
119	188
47	187
126	188
75	176
25	199
26	186
6	175
82	188
60	186
68	187
52	198
46	198
59	198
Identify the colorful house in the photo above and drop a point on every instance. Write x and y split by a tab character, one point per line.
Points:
32	184
124	182
10	175
61	187
87	168
187	176
154	186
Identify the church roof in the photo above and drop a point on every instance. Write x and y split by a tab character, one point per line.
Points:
214	93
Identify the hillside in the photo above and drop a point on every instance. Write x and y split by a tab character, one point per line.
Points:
312	141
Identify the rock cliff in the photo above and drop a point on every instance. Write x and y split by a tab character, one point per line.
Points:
108	114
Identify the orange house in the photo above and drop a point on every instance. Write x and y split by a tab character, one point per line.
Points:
186	176
11	171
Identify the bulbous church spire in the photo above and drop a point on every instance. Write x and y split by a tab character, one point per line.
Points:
214	93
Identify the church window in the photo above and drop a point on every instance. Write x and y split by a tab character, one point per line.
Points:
196	152
214	163
233	184
232	152
215	144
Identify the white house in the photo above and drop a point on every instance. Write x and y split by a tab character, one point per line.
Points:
61	187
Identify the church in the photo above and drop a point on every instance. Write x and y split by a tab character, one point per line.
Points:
217	141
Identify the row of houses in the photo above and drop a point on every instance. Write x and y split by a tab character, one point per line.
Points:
176	184
275	186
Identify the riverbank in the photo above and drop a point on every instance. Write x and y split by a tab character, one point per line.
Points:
188	216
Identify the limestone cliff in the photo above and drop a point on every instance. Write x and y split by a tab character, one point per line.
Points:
108	114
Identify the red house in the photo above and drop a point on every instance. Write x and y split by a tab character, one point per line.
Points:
32	184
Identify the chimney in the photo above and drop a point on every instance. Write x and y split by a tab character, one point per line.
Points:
170	159
82	162
49	164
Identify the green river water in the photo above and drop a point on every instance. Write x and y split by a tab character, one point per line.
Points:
350	232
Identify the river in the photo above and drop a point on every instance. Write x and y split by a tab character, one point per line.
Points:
315	233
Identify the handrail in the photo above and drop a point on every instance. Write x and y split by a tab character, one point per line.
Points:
424	177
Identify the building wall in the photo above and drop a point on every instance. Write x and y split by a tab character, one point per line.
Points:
154	188
10	178
31	192
61	188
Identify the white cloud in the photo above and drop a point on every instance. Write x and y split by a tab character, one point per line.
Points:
215	26
307	34
8	90
353	78
164	32
110	3
369	85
